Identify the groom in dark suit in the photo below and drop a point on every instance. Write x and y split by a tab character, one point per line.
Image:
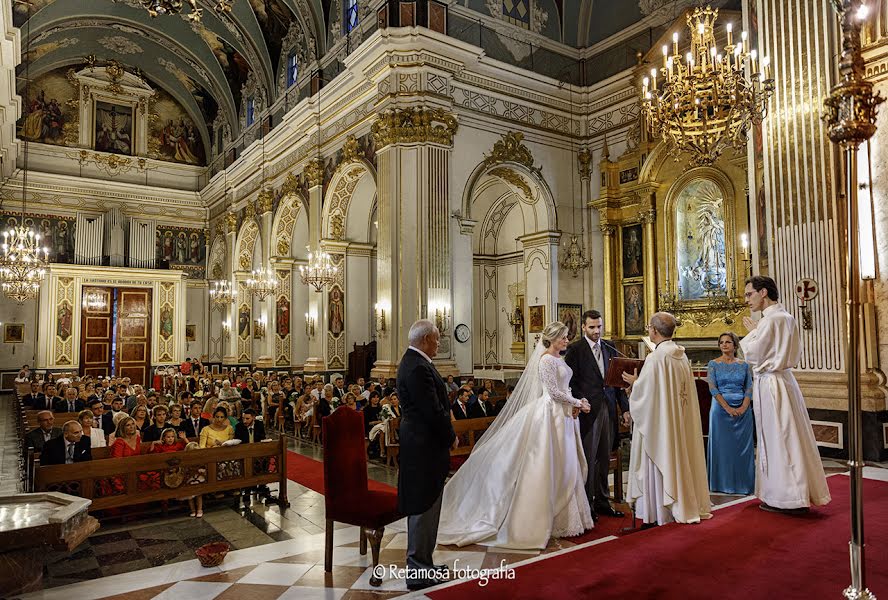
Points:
426	438
589	358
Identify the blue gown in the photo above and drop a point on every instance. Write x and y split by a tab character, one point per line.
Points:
731	453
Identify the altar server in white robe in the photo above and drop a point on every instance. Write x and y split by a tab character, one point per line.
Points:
788	471
667	465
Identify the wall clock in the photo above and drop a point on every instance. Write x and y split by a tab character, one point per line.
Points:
462	333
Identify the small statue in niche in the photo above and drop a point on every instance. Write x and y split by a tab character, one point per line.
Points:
517	323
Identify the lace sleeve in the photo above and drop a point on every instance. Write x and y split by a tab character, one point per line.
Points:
549	379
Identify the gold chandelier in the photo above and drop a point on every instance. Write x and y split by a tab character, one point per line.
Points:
262	283
320	271
222	294
22	266
574	260
174	7
704	102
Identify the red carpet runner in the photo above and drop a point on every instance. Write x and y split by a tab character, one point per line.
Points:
742	552
310	473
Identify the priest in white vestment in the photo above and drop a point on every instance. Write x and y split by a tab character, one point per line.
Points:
788	471
667	465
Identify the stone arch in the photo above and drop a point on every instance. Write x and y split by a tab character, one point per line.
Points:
284	224
247	239
217	260
528	186
353	185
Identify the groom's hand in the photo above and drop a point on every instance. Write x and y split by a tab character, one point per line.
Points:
455	443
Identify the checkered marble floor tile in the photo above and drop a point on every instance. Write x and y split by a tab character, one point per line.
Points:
293	567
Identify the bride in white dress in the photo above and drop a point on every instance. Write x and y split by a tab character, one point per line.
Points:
524	480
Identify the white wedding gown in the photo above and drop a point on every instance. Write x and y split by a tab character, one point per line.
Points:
525	483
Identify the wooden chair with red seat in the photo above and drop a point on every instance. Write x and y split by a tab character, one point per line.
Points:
347	497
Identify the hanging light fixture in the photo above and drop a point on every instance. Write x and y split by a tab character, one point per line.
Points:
704	102
222	294
23	261
320	271
574	260
262	283
173	7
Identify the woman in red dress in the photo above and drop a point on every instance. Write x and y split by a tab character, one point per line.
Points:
126	443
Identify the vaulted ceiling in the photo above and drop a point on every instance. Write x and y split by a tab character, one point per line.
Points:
202	65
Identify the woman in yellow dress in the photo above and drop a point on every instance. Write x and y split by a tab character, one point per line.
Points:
218	432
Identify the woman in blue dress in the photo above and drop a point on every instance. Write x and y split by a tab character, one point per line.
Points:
731	454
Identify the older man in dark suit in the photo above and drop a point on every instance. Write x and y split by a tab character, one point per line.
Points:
426	439
36	438
71	447
589	357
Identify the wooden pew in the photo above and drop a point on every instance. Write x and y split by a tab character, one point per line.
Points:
469	431
156	477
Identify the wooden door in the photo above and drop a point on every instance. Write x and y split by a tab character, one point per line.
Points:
96	331
133	356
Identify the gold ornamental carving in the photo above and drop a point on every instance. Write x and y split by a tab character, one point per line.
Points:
511	148
515	179
283	247
314	172
647	216
249	210
584	160
230	222
414	125
265	201
291	185
351	150
607	229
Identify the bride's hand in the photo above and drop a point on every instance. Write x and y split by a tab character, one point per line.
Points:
586	407
575	412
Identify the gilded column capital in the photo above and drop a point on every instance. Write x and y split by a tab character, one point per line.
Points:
647	216
230	222
265	201
351	151
314	172
414	125
607	229
249	210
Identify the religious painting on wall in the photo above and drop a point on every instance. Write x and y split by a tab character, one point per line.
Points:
283	316
336	321
190	332
633	265
537	317
633	309
166	322
182	248
47	117
274	20
243	322
570	315
234	65
700	239
56	233
173	135
63	325
14	333
114	128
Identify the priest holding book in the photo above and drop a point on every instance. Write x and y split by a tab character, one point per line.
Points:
667	465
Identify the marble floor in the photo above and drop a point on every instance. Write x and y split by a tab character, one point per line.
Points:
275	555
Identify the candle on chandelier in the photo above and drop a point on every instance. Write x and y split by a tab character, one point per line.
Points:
730	29
745	39
753	56
675	43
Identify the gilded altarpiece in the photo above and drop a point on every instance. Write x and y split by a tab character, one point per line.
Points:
244	312
166	326
672	240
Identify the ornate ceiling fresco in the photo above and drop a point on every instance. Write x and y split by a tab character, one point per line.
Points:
201	66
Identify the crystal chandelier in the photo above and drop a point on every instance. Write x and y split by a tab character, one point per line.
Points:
22	266
320	271
174	7
222	294
704	102
574	260
262	283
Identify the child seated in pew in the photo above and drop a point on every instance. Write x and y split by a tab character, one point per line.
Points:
168	442
195	503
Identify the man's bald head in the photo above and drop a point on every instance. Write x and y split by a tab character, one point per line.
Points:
664	324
